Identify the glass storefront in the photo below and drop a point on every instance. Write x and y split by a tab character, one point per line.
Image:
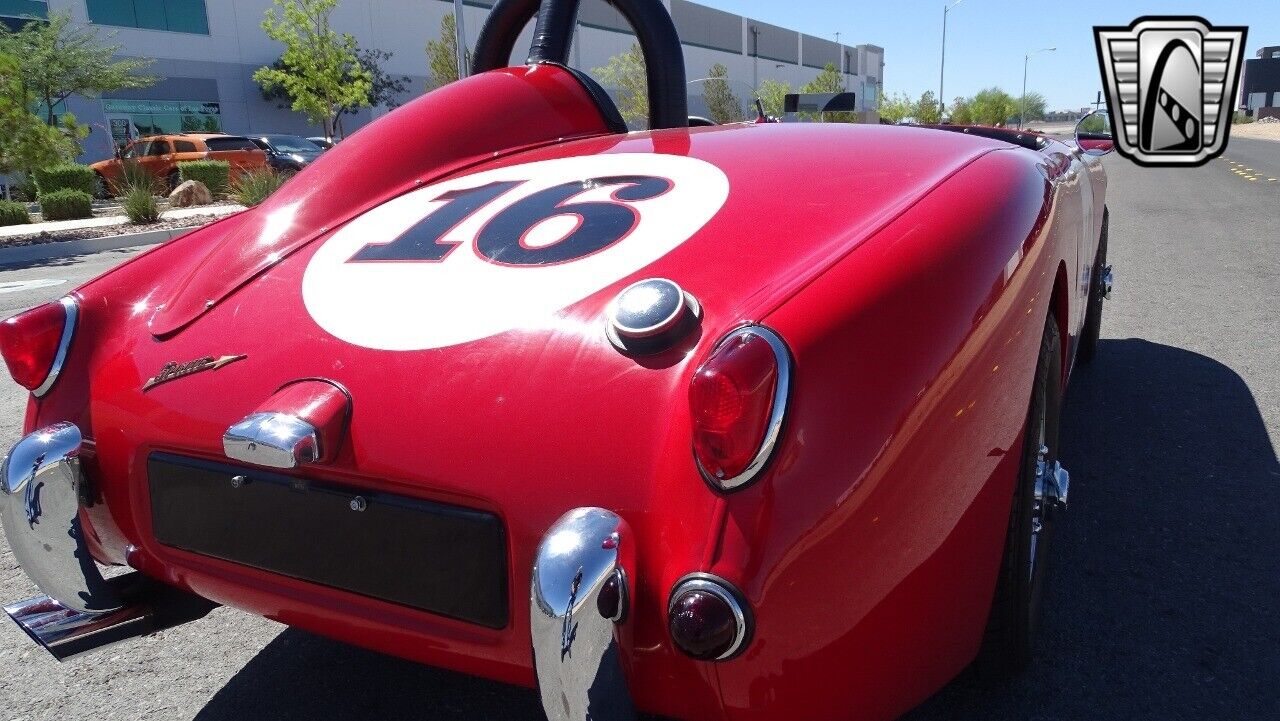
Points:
135	118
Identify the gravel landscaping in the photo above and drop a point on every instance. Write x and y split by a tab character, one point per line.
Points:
106	231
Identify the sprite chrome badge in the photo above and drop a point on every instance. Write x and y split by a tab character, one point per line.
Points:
1171	87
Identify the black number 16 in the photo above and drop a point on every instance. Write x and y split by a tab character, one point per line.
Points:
600	223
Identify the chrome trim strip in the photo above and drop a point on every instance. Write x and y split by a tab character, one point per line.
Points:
572	612
71	309
40	510
272	440
779	412
717	586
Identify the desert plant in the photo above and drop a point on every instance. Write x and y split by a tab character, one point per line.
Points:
66	204
255	186
140	205
12	213
215	174
65	177
135	175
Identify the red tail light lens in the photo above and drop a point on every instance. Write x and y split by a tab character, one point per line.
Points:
738	399
34	343
707	620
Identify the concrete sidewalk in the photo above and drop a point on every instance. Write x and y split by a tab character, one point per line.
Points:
57	226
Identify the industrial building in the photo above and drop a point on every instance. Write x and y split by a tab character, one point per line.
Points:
1260	89
206	52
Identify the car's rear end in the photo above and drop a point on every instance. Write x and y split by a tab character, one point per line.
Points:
551	404
238	151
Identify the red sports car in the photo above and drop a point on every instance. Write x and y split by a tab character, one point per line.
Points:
755	421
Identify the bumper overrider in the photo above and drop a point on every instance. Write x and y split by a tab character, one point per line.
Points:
41	486
579	597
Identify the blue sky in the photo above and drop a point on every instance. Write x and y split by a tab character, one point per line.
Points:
987	39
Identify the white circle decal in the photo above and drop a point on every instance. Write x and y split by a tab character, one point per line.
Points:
480	255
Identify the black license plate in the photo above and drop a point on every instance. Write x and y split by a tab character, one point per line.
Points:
438	558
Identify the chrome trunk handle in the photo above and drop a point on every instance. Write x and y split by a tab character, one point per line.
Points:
272	440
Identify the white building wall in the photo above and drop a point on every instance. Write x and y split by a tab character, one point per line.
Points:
236	46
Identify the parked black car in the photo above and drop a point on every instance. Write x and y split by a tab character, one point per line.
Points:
323	142
288	152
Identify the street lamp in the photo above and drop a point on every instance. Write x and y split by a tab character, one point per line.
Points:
1022	106
460	39
755	50
942	74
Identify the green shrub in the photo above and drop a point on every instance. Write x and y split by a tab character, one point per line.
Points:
215	174
140	205
66	205
13	213
256	186
66	177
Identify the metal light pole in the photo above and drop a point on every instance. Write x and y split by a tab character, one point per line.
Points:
460	39
942	74
755	50
1022	106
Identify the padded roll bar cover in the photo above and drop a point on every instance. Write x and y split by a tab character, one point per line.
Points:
663	54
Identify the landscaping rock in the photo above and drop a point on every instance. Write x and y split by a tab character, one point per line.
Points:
190	193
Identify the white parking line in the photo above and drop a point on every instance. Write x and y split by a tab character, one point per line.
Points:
15	286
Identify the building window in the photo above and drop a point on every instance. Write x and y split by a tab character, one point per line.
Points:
179	16
16	13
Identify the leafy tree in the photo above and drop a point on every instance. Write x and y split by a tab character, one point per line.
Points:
925	110
319	70
27	142
626	74
57	60
722	104
442	54
961	113
897	107
829	81
384	91
993	106
773	95
1032	106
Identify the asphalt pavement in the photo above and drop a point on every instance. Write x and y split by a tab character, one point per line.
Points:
1163	598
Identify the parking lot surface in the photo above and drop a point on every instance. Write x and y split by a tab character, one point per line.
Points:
1162	602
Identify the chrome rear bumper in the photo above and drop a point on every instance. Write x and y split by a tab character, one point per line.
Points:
40	491
40	511
579	596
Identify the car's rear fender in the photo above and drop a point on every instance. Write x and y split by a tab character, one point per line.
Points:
869	550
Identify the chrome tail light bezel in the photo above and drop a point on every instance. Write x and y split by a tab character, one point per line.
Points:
777	413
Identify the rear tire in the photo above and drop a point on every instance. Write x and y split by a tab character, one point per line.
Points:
101	190
1092	329
1006	648
174	180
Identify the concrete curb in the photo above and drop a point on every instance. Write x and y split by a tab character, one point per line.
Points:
67	248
